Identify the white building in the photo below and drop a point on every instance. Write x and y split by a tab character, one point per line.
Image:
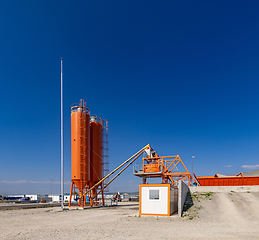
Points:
32	197
55	198
158	199
67	197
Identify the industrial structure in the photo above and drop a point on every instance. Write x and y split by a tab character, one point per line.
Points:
155	199
166	167
89	168
89	162
89	153
160	199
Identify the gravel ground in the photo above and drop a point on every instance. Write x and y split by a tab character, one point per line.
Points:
212	216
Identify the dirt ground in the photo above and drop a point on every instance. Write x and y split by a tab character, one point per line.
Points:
212	216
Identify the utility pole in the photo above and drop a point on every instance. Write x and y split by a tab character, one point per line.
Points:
62	151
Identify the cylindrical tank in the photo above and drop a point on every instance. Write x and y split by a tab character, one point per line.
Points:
80	141
95	149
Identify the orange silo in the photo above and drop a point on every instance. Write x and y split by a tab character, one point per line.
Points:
96	162
80	143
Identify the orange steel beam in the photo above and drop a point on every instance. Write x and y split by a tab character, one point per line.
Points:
171	179
134	157
119	173
71	190
177	174
171	164
179	160
182	178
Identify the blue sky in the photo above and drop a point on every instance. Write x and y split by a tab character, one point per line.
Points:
179	75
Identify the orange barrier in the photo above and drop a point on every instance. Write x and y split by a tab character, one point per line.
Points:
227	181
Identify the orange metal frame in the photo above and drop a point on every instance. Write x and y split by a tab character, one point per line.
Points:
92	196
164	167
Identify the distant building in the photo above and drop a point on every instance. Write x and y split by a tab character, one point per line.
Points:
55	198
33	197
16	196
67	197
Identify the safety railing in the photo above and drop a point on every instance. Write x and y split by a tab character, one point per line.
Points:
137	168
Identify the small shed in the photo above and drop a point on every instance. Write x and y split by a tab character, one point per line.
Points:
158	199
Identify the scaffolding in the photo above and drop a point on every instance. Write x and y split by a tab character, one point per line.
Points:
105	152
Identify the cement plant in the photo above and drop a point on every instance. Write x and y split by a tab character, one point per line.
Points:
179	199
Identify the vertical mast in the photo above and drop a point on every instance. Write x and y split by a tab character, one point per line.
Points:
62	151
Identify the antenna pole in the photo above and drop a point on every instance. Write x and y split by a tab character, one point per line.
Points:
62	151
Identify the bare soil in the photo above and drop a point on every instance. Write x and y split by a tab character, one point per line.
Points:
212	216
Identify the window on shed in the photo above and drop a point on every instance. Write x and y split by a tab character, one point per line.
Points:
154	194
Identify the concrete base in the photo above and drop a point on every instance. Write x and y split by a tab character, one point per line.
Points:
254	188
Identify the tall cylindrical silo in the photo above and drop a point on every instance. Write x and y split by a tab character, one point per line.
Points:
96	162
80	143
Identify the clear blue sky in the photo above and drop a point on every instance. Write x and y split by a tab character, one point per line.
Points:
179	75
